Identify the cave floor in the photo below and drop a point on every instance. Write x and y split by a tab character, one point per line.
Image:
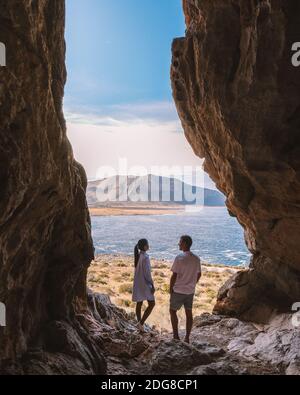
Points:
219	346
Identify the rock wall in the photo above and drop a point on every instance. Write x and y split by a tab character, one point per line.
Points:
238	97
45	239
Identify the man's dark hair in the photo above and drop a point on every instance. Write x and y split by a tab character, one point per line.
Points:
188	241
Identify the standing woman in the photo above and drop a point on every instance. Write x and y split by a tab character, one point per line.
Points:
143	287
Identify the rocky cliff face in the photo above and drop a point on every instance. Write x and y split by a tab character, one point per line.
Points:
45	241
238	97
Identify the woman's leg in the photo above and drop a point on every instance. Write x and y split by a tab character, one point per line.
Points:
139	306
148	311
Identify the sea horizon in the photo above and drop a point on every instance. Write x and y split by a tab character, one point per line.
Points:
218	238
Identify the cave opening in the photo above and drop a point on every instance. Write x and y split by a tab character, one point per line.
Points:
124	129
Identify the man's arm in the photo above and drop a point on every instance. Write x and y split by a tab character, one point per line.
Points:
199	277
200	272
173	282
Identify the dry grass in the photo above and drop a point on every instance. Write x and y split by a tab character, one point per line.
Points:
113	275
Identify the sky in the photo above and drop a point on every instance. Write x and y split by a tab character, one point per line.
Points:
118	101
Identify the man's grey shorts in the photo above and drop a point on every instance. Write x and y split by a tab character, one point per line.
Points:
179	300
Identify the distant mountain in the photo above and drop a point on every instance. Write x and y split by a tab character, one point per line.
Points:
164	190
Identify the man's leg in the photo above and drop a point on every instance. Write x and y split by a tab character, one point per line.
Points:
174	321
189	324
139	306
148	312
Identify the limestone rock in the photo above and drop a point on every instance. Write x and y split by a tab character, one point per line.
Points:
45	239
222	368
274	346
173	357
238	97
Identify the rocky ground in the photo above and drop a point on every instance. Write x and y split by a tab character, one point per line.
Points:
219	346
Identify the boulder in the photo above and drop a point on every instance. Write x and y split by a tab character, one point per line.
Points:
238	97
174	357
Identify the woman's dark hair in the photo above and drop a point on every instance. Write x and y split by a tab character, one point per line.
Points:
139	247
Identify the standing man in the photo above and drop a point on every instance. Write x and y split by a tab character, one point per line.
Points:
186	275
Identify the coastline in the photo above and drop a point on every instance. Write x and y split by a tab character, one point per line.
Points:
113	275
142	211
134	211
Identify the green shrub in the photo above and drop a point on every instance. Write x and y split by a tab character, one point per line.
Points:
126	303
121	264
210	293
165	288
101	281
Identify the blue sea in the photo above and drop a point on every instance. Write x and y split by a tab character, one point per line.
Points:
218	238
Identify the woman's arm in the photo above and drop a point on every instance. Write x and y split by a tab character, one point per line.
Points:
147	272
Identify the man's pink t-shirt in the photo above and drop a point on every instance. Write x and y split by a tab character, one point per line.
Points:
187	266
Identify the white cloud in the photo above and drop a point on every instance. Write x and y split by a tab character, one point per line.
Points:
152	113
145	134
